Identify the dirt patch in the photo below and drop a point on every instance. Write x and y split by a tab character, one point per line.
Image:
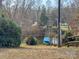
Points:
39	53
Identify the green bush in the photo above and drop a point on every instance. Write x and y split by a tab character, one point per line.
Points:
31	41
77	38
10	33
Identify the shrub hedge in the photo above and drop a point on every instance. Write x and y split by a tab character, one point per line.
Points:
10	33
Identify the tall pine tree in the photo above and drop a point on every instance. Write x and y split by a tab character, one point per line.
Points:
43	17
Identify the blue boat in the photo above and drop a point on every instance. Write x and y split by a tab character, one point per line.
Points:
46	40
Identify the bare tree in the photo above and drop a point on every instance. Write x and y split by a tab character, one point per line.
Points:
1	3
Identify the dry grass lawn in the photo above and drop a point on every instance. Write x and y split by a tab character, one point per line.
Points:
39	52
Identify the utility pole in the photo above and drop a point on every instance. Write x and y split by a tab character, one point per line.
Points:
59	38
